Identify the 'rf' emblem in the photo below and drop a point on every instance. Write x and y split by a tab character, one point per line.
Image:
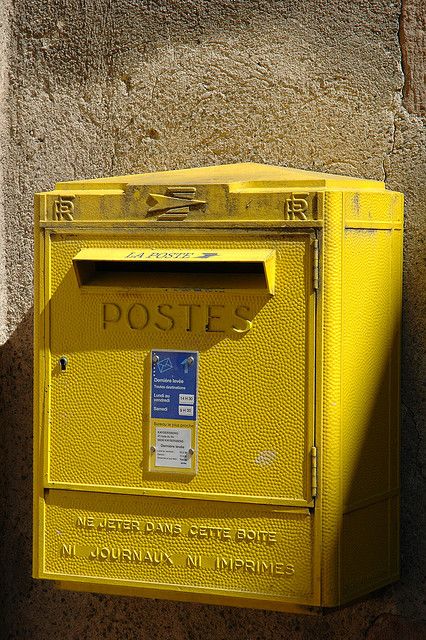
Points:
296	207
63	208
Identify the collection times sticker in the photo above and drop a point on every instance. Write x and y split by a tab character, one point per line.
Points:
173	412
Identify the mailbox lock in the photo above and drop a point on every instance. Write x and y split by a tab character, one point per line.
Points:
63	362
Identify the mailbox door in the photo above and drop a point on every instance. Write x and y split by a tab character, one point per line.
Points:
253	337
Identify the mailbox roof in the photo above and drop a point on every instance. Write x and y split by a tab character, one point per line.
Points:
245	173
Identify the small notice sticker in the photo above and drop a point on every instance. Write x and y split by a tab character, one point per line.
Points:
173	447
173	412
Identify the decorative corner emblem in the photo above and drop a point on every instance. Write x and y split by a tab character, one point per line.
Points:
63	208
296	207
176	204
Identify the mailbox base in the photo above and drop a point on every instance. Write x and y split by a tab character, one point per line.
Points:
190	596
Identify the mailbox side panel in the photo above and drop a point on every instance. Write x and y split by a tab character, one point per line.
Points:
371	312
358	393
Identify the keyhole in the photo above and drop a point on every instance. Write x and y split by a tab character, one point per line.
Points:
63	361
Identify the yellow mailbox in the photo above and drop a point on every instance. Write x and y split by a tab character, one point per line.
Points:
216	394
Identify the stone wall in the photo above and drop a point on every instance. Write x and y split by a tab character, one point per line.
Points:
102	87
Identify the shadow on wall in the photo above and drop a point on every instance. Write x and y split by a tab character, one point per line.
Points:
16	394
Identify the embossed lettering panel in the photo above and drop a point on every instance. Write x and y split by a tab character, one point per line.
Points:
140	541
255	374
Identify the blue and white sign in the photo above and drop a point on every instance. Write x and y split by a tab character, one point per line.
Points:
174	385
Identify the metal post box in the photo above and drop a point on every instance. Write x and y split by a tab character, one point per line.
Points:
216	393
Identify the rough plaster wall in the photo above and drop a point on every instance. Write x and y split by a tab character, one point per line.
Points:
4	54
412	39
100	87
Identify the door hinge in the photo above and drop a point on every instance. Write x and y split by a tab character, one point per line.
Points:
316	264
314	472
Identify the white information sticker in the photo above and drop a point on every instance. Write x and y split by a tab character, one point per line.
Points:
172	447
186	398
186	410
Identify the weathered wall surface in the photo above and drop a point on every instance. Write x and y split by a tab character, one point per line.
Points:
98	87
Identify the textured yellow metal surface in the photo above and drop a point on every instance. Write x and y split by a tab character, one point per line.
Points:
370	408
254	444
329	401
369	328
360	314
292	499
141	541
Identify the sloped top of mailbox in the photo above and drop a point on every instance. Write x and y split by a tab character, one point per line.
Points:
243	174
224	195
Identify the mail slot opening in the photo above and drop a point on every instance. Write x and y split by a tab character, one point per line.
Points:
217	275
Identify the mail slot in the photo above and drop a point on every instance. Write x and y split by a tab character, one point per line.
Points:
216	386
147	269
